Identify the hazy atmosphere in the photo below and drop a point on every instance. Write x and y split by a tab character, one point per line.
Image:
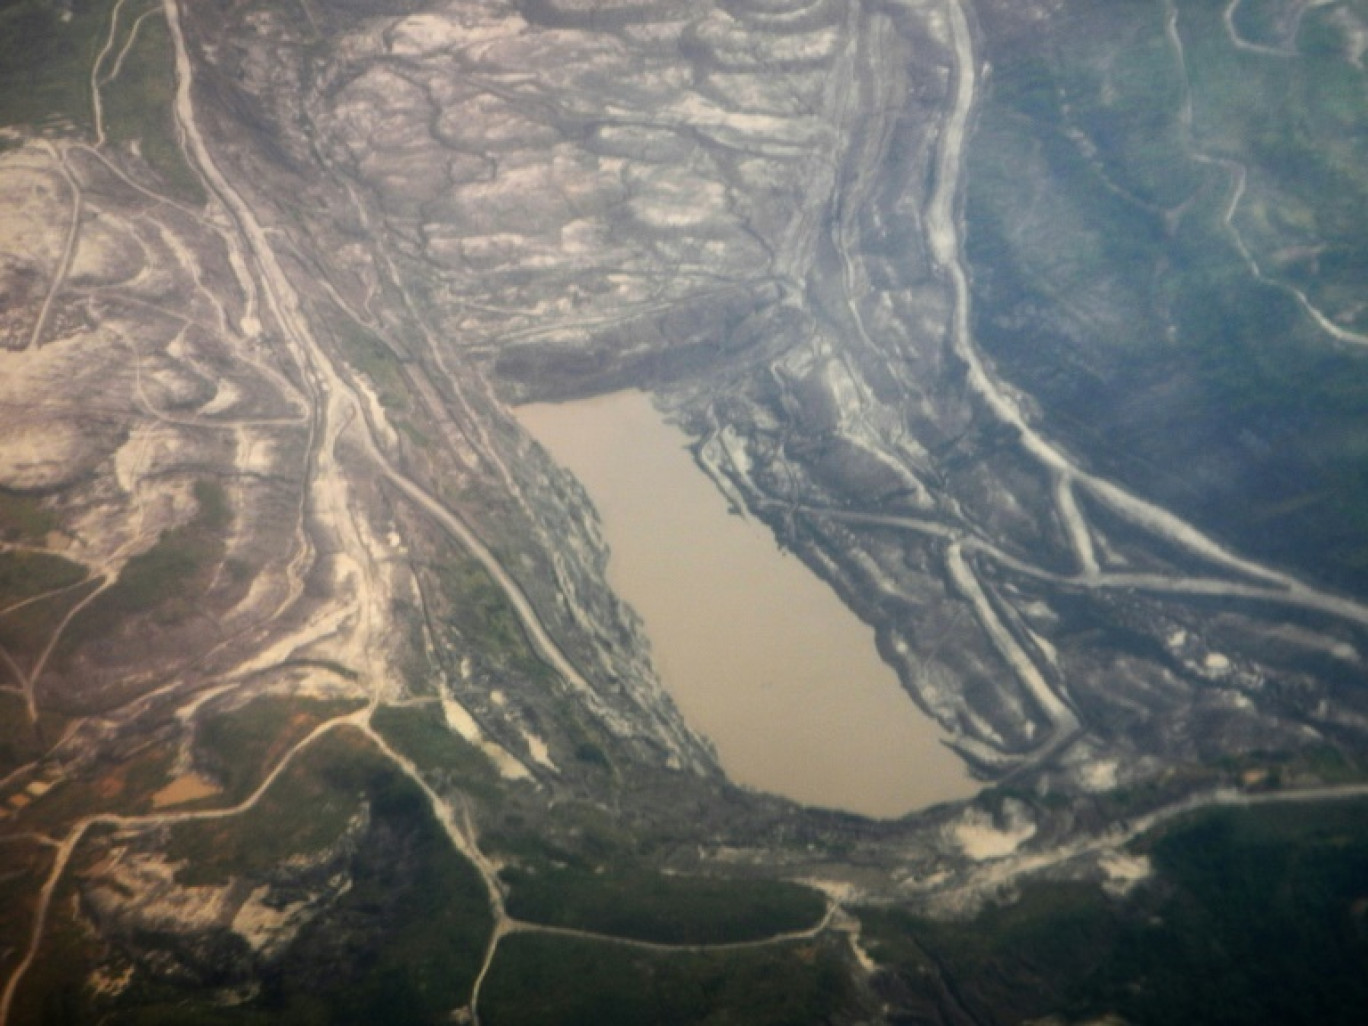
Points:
684	511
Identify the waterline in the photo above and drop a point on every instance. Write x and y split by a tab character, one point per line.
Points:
759	654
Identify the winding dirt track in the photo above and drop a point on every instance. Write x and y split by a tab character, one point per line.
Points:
943	219
333	409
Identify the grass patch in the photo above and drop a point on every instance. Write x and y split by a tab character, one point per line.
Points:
478	610
401	944
1153	348
557	981
1010	964
21	741
644	905
404	942
1257	916
123	787
139	106
582	868
26	574
23	867
305	811
53	990
370	356
1317	766
45	61
420	733
26	630
242	746
575	834
23	517
166	573
164	581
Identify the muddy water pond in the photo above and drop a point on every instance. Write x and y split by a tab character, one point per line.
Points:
757	651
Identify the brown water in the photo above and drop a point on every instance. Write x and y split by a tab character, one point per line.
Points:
756	650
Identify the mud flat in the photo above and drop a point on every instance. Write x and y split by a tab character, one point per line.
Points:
758	652
186	788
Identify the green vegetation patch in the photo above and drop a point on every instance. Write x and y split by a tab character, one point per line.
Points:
369	354
166	573
21	741
25	631
37	591
123	787
400	944
645	905
421	734
164	581
1010	964
24	865
404	943
1260	21
306	810
53	989
1269	770
24	575
139	105
46	51
242	746
578	867
1109	285
478	610
1299	126
570	833
1257	915
24	517
557	981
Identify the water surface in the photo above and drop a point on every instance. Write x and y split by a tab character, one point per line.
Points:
757	651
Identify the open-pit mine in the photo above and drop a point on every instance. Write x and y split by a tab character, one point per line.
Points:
1030	335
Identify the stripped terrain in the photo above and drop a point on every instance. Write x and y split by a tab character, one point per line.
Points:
282	574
